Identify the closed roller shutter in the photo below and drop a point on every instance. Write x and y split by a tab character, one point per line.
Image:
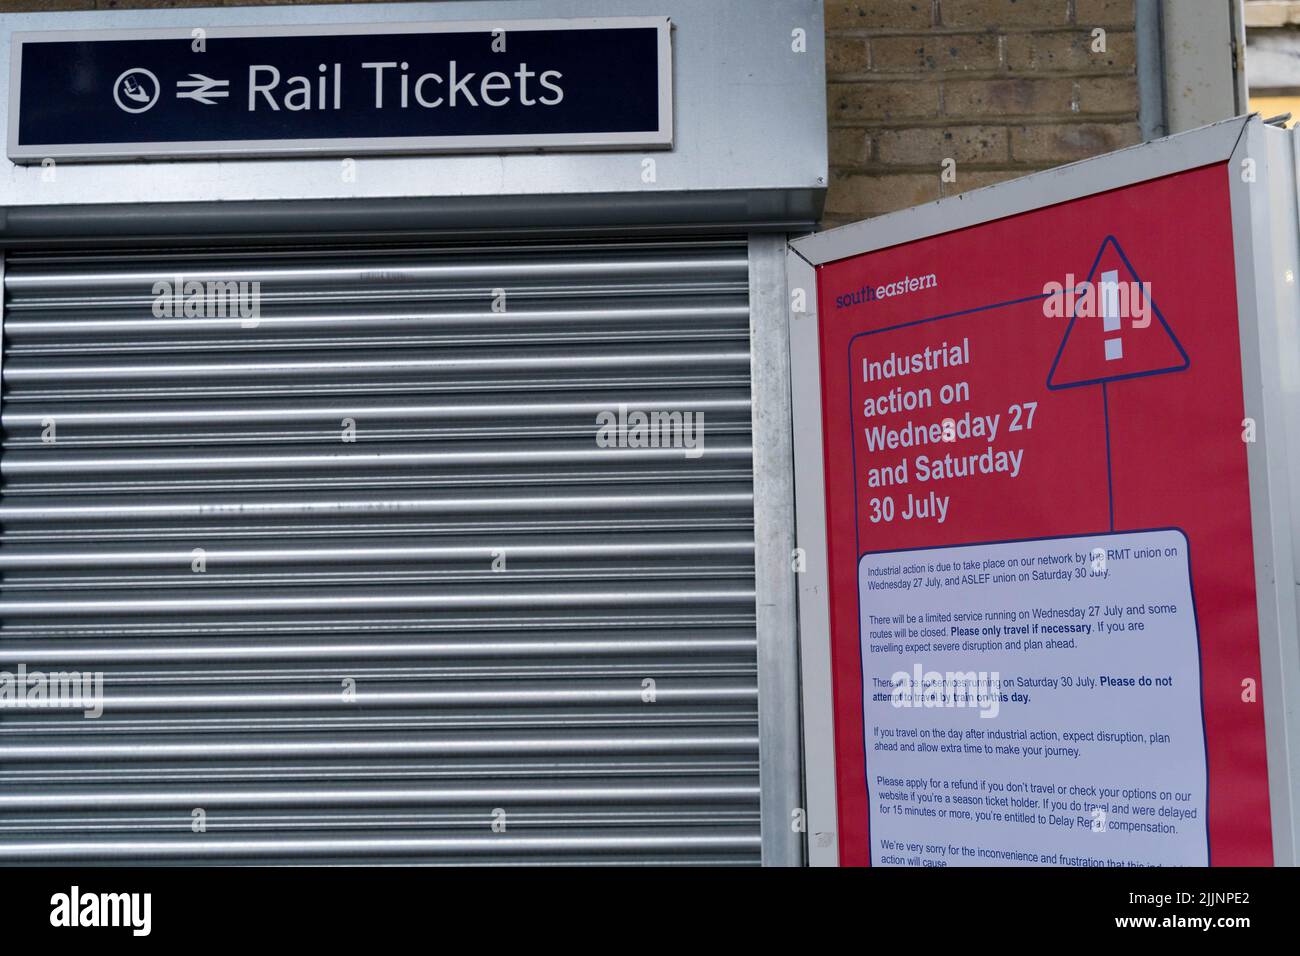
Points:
519	696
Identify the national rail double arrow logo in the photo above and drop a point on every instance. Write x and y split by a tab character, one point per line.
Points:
202	88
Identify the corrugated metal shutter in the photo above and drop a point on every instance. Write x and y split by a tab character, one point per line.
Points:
329	562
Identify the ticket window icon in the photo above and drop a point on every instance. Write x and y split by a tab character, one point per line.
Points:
136	90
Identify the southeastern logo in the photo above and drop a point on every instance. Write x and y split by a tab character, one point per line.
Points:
887	290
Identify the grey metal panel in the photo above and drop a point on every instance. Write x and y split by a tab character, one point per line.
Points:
372	561
1201	63
1150	69
729	97
778	653
1264	218
815	677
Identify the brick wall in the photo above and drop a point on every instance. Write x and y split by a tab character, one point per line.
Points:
1001	87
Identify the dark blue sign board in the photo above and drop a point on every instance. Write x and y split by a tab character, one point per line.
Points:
349	89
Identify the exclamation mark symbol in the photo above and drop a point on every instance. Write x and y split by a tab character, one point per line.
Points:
1110	317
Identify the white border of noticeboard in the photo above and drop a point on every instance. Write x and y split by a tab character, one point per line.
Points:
660	138
1264	223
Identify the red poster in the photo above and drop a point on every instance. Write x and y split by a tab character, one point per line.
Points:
1036	479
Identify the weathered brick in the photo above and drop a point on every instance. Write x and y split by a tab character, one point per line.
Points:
978	179
914	54
854	195
1107	94
990	14
149	4
1010	97
1268	13
44	6
878	15
930	146
876	102
1066	142
1071	52
846	55
848	146
1102	13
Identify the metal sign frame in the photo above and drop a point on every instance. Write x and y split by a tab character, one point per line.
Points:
660	138
1264	227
